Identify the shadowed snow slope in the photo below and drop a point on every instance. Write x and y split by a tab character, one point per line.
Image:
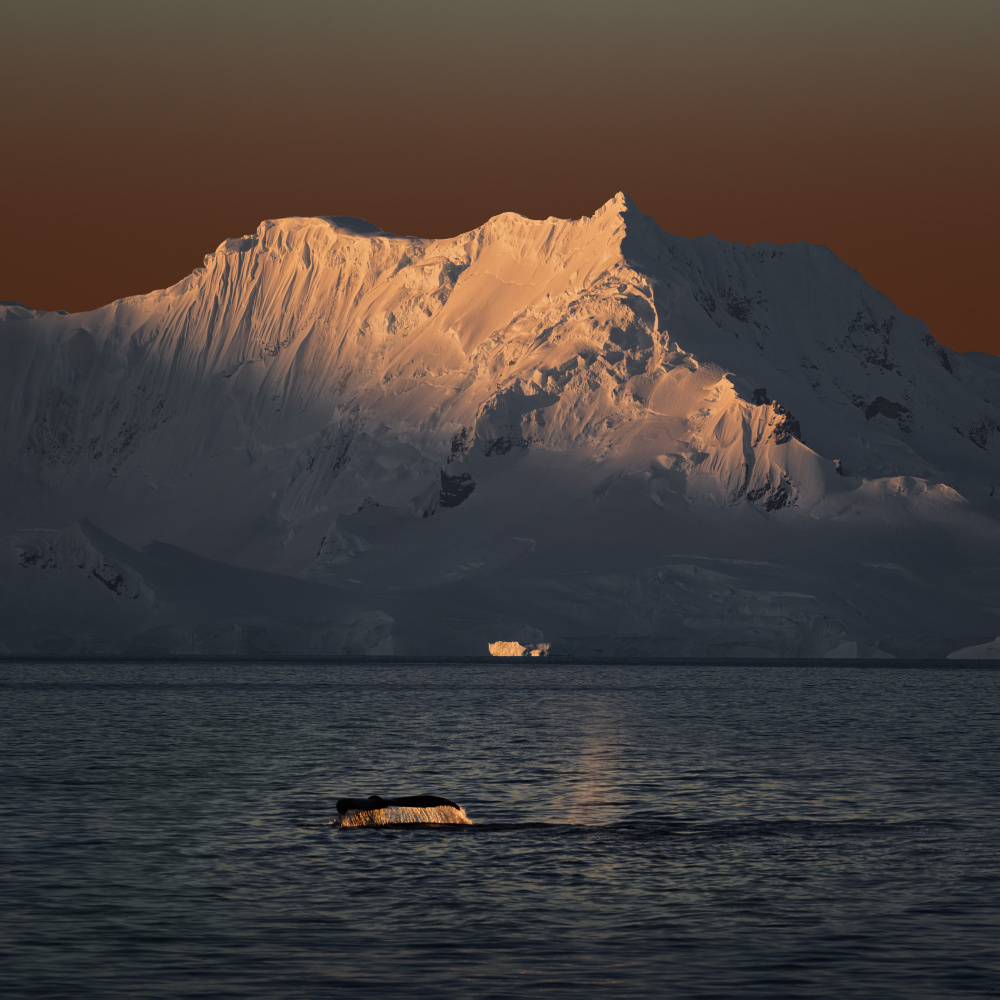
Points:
591	433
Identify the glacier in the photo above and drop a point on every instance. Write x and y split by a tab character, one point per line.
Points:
587	435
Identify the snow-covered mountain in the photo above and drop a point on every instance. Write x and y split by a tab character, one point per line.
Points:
590	433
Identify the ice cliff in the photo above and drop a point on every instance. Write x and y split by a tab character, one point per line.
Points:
589	433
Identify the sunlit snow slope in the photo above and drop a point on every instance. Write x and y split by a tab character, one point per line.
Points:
589	433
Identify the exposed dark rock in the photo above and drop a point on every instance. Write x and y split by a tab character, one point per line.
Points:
787	426
460	443
886	407
116	584
706	300
740	307
783	495
497	446
869	338
980	432
941	353
503	444
455	489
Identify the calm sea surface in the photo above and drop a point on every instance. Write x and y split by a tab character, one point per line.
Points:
640	831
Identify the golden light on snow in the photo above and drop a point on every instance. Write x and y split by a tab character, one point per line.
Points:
646	445
150	135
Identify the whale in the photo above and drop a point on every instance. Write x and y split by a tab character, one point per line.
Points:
406	810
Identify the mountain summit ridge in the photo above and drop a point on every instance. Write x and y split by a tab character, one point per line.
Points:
506	431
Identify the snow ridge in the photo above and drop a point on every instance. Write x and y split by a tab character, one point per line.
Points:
519	434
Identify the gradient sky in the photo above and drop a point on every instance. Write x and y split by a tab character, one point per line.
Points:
139	135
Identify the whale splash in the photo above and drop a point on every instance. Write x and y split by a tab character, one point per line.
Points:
406	811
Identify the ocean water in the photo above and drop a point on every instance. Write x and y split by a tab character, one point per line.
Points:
640	831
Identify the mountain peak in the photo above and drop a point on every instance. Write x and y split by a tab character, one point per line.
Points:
620	206
628	222
621	202
584	431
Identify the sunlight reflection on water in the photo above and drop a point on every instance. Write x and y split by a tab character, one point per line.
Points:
646	831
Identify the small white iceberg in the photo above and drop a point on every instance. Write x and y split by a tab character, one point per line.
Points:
517	649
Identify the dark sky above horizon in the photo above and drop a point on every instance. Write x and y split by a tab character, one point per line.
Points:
138	136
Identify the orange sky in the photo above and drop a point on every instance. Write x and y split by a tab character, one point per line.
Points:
139	136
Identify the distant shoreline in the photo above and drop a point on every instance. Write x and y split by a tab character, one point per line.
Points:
936	663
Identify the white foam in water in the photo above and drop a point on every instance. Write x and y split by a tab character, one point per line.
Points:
405	816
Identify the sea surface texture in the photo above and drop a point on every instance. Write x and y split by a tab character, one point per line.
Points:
640	831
